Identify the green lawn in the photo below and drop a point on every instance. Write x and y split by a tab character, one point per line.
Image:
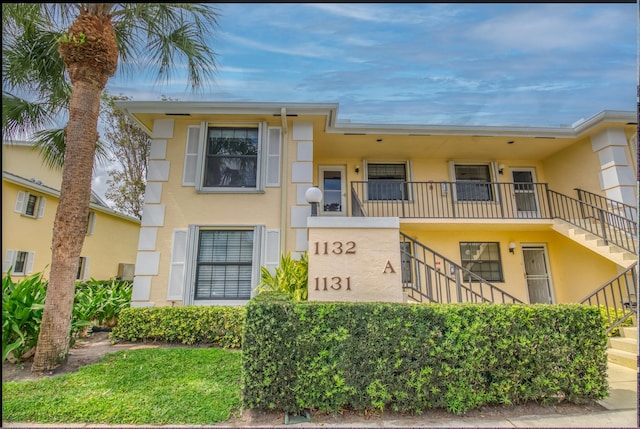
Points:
199	386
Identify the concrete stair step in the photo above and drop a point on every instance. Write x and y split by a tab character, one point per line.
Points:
624	344
622	358
629	332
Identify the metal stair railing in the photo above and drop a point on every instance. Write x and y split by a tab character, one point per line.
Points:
617	297
621	209
431	277
612	228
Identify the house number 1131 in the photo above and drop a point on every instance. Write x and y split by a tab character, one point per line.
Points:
334	283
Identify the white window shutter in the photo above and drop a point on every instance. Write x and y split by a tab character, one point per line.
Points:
191	156
9	260
274	149
41	203
20	202
176	273
85	271
272	254
92	223
31	256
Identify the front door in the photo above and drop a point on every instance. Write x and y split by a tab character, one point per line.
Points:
526	197
332	185
536	269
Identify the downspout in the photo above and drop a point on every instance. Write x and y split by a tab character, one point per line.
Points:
284	184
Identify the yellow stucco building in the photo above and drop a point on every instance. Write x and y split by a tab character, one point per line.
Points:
484	213
30	196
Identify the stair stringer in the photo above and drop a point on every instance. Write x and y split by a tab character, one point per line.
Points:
594	243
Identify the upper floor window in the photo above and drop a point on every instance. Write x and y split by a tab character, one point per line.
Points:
241	157
231	157
29	204
473	182
387	181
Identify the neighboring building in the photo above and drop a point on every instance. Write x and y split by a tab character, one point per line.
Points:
544	214
30	196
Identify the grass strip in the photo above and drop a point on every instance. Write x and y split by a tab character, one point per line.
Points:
146	386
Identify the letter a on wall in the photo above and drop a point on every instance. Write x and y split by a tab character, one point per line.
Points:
388	268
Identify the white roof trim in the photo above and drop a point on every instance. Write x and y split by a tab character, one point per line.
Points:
336	126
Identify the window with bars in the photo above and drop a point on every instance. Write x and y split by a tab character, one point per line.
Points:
473	183
231	157
224	264
387	181
482	259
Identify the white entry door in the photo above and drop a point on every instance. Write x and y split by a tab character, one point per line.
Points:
525	193
332	185
536	269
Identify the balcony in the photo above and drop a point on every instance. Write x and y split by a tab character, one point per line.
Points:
450	200
479	201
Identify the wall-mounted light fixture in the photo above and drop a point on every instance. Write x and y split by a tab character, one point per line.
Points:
313	195
512	247
501	169
357	169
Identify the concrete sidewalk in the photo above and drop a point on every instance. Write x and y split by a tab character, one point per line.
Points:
621	412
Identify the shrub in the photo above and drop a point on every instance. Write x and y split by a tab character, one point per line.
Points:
215	325
612	314
22	306
412	358
290	277
95	303
98	302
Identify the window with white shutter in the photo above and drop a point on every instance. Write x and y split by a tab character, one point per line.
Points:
29	204
20	262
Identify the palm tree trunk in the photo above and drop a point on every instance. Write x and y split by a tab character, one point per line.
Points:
70	226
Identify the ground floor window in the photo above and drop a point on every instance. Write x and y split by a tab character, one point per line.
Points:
224	264
482	259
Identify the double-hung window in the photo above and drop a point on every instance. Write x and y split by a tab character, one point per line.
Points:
482	259
473	182
231	157
20	262
224	265
30	205
387	181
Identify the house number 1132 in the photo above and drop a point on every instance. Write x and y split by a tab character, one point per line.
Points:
337	248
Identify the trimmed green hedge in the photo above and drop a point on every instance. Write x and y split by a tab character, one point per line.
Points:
406	357
217	325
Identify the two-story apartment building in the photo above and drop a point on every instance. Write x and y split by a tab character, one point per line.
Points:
30	196
506	213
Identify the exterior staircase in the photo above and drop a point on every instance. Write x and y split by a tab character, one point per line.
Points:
623	350
614	253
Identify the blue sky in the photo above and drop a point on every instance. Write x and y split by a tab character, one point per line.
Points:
424	63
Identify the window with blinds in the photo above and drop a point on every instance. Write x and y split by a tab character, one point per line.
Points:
224	265
387	181
473	183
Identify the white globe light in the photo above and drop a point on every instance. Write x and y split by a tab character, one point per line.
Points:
313	195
